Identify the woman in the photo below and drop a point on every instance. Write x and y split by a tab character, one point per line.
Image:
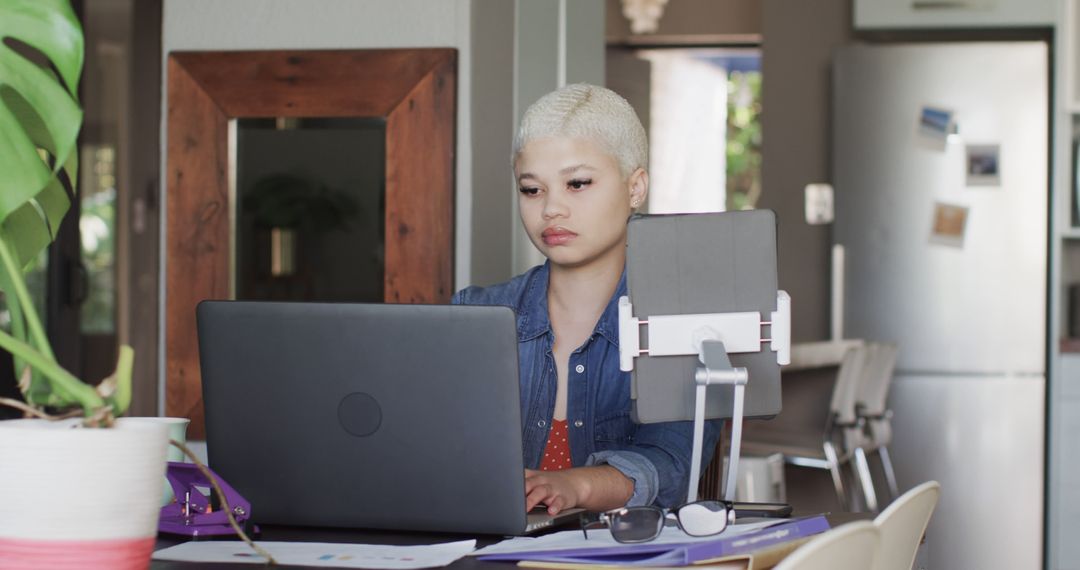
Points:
579	160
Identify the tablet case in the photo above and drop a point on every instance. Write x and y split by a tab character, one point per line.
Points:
702	263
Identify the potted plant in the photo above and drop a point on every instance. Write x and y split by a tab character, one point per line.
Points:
80	487
71	494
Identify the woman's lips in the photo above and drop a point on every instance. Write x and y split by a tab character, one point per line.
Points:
557	236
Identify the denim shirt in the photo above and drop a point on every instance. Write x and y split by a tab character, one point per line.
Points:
656	457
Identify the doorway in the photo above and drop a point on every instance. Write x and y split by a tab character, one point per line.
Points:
702	109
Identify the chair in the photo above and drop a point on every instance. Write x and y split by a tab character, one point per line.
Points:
809	432
875	420
902	525
852	546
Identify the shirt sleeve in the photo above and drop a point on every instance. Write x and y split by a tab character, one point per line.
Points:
658	460
635	467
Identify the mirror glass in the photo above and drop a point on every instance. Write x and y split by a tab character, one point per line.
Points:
310	205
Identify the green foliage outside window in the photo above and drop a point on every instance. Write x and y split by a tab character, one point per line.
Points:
743	140
97	232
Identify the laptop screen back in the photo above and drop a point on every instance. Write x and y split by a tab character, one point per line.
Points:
366	415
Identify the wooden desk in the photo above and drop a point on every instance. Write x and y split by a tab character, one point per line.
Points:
280	533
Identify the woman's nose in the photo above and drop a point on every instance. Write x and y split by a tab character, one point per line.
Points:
554	206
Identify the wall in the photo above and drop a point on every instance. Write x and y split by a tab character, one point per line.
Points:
557	42
492	48
687	21
142	175
564	44
797	43
799	38
200	25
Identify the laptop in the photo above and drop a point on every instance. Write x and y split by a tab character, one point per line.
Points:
403	417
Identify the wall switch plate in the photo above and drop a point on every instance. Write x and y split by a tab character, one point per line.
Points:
819	204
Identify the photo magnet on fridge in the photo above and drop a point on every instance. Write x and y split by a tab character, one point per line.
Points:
983	165
948	225
935	126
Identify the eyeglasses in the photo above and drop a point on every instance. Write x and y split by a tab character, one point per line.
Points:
642	524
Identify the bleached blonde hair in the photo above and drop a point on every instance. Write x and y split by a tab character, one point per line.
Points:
586	111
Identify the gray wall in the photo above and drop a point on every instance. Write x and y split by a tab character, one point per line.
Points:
799	38
493	107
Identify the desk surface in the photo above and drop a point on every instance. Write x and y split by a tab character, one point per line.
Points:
280	533
300	534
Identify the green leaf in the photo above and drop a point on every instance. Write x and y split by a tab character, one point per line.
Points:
33	226
71	390
41	60
37	110
51	27
116	389
25	322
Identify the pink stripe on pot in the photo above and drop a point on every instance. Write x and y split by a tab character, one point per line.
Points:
122	554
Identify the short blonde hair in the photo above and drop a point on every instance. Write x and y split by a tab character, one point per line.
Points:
586	111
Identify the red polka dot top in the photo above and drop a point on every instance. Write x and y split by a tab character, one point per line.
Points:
557	450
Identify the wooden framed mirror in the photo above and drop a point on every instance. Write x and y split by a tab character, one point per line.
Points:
409	95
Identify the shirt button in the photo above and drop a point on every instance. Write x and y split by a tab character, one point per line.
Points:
541	423
580	368
578	423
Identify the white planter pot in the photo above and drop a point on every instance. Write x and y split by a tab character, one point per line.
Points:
79	498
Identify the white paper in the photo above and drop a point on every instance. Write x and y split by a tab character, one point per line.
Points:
601	537
323	554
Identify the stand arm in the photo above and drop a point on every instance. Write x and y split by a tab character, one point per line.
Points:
717	370
736	443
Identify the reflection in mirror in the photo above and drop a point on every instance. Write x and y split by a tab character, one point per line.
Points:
309	208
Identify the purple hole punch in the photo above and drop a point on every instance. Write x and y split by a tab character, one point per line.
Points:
191	513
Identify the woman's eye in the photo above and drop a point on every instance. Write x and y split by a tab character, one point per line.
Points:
529	190
579	183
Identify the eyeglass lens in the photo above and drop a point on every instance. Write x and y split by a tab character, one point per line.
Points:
703	518
636	524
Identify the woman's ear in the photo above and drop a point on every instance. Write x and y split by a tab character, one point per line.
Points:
639	187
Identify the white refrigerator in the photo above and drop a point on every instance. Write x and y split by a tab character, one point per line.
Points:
940	168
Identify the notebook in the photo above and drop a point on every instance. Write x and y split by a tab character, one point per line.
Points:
367	415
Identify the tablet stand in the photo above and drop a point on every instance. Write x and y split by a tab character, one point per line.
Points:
712	337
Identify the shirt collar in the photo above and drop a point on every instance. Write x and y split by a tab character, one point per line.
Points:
533	316
533	319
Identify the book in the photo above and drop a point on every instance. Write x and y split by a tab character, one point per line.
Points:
670	549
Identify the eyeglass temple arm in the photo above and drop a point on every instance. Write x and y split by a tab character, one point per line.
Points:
717	370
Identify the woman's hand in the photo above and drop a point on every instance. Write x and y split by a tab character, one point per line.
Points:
559	490
597	488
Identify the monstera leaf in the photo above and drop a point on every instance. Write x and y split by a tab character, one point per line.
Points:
41	59
39	118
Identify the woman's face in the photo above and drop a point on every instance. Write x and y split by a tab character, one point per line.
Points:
574	201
